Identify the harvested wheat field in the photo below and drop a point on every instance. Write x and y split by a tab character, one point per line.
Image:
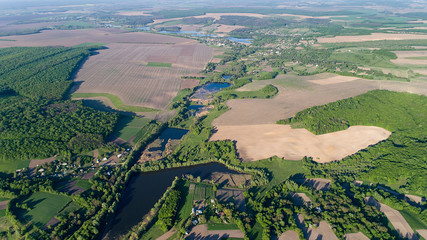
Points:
372	37
355	236
289	235
70	38
251	122
397	220
294	95
323	184
411	57
255	142
122	70
217	16
322	231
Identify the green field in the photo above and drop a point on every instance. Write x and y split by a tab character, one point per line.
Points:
153	233
11	166
413	220
203	191
222	226
158	64
279	168
83	184
116	101
128	126
44	206
187	203
88	44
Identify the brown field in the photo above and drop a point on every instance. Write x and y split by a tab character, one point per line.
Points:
372	37
295	94
234	180
333	80
397	220
71	188
218	15
289	235
322	231
232	195
189	83
403	57
133	13
88	175
416	199
227	28
300	198
252	121
122	70
3	204
355	236
52	222
255	142
318	183
70	38
36	162
423	233
201	232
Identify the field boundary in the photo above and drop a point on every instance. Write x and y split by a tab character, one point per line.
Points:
115	100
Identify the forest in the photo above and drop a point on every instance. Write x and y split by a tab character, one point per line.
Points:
35	119
401	113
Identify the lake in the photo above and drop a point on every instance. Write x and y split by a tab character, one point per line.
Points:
145	189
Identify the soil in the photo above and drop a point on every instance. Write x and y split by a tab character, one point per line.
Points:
3	204
71	188
372	37
202	232
256	142
397	220
289	235
355	236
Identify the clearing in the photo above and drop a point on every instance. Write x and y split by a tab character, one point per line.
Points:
255	142
44	206
372	37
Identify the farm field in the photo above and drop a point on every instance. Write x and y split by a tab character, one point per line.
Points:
127	127
70	38
295	94
255	142
44	206
396	219
124	70
371	37
411	57
202	232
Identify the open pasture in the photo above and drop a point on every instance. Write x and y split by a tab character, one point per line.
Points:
44	206
127	71
255	142
372	37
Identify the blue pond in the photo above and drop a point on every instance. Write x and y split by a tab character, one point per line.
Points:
240	40
208	89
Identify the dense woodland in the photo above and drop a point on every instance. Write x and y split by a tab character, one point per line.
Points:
35	120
